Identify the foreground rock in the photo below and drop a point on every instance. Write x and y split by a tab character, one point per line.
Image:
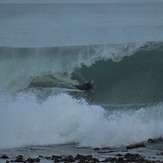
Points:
4	157
70	158
20	158
128	157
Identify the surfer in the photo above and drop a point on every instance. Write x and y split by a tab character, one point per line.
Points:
89	86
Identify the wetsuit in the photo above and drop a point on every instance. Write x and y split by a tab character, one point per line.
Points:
85	87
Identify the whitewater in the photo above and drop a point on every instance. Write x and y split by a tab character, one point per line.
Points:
45	48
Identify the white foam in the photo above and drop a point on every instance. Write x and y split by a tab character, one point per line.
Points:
61	120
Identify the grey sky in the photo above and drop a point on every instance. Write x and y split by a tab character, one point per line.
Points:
76	1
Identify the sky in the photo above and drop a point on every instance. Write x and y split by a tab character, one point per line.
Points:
75	1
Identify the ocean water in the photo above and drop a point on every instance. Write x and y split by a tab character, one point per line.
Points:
44	48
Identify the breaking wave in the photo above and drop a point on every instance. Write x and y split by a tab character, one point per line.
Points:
62	119
123	73
39	106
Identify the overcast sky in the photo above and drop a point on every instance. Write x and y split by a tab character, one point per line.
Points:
75	1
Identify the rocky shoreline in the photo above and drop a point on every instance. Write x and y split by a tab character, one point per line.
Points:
128	157
138	153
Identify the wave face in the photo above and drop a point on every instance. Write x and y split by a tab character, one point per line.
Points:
39	106
123	73
45	67
134	79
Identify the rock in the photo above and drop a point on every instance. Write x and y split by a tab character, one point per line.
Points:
7	161
93	160
41	156
121	160
138	145
133	157
68	158
129	155
4	157
87	158
56	158
48	158
96	149
151	140
79	157
33	160
19	159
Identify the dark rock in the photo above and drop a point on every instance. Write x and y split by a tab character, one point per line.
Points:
68	158
33	160
87	158
151	141
96	149
79	157
19	159
105	148
129	155
4	157
138	145
56	158
133	157
37	160
7	161
121	160
41	156
48	158
93	160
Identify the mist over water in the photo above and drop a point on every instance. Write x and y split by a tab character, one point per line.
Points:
44	49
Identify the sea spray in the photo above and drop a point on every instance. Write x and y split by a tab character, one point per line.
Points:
62	119
54	121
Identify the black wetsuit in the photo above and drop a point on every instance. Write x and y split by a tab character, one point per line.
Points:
85	87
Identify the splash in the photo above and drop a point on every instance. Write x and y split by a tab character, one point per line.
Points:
62	119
